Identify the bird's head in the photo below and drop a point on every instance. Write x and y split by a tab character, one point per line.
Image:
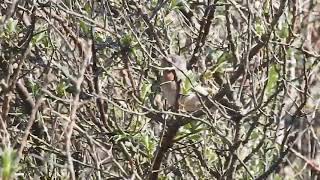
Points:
174	65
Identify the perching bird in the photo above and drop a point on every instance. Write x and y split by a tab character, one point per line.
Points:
175	69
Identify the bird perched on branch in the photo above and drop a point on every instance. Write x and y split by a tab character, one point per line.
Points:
178	84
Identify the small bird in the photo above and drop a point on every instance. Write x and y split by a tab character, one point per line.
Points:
175	69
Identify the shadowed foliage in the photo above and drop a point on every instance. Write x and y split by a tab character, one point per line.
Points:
82	89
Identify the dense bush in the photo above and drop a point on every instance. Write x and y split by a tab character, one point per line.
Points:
81	89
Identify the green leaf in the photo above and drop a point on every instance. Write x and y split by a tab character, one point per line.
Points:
145	90
11	25
126	41
85	27
255	135
189	83
8	166
225	57
88	8
195	137
266	7
284	31
149	144
210	154
146	142
61	89
277	177
35	88
186	88
37	38
259	28
121	137
273	77
176	4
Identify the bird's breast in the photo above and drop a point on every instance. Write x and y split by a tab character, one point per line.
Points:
169	90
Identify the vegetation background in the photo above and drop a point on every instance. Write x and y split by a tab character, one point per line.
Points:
80	93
